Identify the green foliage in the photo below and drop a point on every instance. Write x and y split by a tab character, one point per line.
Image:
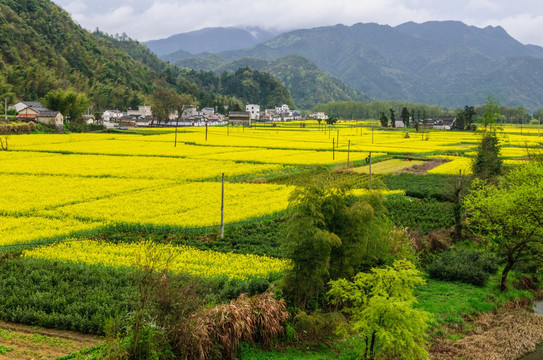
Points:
317	326
383	119
327	236
465	118
251	86
423	215
62	296
405	116
488	163
70	103
373	109
452	302
308	84
261	238
492	111
81	298
331	120
427	186
5	349
380	305
42	49
468	266
509	215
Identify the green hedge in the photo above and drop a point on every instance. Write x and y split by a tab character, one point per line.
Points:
423	215
428	186
80	297
467	266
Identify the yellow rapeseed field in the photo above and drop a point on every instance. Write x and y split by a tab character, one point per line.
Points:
57	185
180	259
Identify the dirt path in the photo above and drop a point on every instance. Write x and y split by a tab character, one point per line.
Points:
28	342
422	169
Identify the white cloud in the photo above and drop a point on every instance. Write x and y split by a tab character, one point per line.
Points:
526	28
146	20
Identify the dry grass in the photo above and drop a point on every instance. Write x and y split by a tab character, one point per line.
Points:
217	332
506	335
28	342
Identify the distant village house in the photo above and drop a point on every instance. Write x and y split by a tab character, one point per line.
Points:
35	111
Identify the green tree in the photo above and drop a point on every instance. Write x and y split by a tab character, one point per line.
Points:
70	103
392	117
405	117
492	111
488	162
380	306
331	120
163	102
328	236
383	119
538	114
509	215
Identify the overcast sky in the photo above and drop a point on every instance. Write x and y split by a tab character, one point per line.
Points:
154	19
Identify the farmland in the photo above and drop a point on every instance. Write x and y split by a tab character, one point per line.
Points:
87	209
84	182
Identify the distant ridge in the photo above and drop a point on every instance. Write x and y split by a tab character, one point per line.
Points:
209	40
439	62
307	83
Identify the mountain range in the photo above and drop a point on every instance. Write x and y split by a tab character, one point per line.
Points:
307	83
208	40
446	63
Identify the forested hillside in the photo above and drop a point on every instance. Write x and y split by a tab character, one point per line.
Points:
444	63
308	84
42	49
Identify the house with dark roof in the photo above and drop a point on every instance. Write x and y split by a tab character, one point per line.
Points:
35	111
239	118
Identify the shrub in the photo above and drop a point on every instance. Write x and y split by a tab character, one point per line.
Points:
428	186
422	215
259	319
467	266
488	163
317	326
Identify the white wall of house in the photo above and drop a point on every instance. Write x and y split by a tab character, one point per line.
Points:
208	111
254	110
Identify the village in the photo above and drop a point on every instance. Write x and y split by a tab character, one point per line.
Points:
191	116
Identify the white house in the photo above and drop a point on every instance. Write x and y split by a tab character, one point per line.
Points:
189	111
254	110
319	116
143	111
207	111
111	115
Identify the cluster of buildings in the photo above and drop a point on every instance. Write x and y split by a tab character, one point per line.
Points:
143	115
36	112
280	113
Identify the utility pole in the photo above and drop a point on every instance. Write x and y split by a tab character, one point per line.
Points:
333	149
348	153
222	208
6	108
369	160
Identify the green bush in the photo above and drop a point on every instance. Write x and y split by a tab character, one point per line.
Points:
422	215
428	186
467	266
61	295
79	297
